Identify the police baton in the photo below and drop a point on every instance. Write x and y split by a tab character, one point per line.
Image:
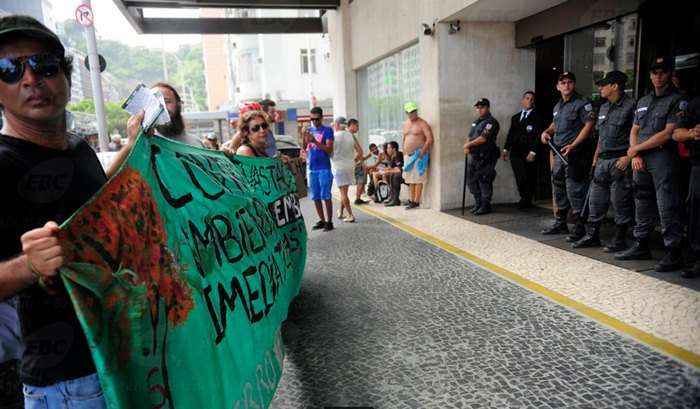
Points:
556	152
464	184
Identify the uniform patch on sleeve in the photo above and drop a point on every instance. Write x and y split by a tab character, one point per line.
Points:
488	127
683	105
528	128
642	109
588	107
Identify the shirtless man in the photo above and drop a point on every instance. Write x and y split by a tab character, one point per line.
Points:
417	140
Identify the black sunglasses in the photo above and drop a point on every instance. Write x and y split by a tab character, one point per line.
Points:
257	127
44	65
316	119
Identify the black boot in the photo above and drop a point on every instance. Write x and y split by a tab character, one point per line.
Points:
591	239
579	230
559	226
672	261
619	242
483	209
477	205
638	251
692	273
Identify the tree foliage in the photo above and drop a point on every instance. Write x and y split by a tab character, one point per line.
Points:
134	65
116	115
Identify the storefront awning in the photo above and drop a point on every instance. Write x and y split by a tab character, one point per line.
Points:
133	11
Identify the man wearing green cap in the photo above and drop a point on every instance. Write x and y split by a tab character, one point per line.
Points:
47	175
417	140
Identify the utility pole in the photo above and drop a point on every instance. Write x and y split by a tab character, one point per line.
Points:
85	17
162	54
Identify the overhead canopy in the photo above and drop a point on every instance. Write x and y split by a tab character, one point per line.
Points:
133	11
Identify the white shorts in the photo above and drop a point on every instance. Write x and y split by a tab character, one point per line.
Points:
344	177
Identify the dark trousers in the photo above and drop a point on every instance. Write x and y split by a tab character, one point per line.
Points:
525	175
611	186
694	210
656	197
482	173
395	183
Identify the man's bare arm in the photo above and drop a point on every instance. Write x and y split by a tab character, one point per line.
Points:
685	134
14	276
428	132
659	139
133	127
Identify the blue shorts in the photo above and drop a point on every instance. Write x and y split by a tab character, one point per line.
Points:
320	183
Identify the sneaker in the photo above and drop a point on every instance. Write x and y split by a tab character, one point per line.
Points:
412	205
392	203
328	226
360	202
320	225
349	219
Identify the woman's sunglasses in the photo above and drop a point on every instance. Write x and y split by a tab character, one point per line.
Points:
257	127
44	65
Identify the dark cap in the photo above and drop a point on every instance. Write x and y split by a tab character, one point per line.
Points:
664	63
567	74
483	102
30	27
612	77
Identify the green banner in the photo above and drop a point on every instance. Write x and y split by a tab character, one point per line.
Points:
181	270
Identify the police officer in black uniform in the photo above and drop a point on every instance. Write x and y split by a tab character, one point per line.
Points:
481	146
654	165
612	175
688	133
521	147
573	121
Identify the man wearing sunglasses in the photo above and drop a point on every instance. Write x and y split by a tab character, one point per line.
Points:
47	174
319	149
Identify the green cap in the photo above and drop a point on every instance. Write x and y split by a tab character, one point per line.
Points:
410	107
30	27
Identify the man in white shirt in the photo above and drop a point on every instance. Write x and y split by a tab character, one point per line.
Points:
343	165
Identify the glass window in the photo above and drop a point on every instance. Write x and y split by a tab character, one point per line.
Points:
304	61
592	52
384	87
312	60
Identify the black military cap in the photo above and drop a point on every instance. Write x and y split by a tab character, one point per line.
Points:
567	74
30	27
613	77
664	63
483	102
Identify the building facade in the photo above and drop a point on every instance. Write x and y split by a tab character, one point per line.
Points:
287	68
447	54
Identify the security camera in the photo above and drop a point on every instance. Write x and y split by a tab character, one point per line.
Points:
427	30
454	27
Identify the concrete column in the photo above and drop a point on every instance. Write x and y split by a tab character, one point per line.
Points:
479	61
345	78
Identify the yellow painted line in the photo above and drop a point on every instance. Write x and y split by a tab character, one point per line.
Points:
659	344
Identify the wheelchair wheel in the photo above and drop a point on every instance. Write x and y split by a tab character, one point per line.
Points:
382	191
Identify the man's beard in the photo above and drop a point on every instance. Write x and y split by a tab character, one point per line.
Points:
173	129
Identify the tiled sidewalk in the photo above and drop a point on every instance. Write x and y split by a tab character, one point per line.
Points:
666	311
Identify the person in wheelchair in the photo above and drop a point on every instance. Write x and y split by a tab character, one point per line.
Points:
387	179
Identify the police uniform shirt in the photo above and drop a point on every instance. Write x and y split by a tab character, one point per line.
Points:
569	118
613	125
488	127
690	119
655	112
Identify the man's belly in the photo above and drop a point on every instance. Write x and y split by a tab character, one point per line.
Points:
412	143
